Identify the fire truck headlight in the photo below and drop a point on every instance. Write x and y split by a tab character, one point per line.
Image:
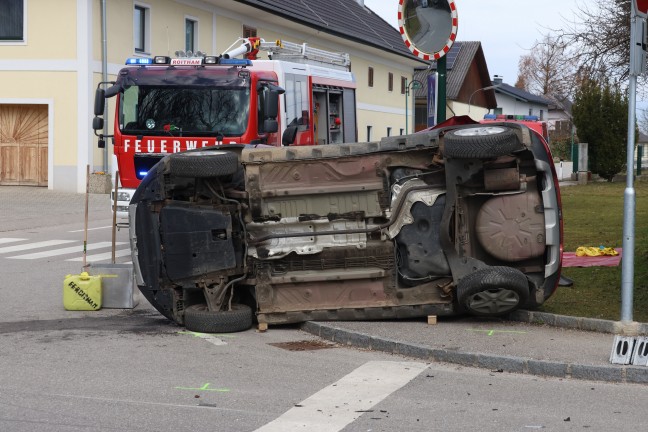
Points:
123	196
161	60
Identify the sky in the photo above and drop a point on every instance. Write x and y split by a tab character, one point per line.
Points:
507	29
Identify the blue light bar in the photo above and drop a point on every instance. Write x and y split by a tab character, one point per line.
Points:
531	118
490	117
236	62
139	61
143	173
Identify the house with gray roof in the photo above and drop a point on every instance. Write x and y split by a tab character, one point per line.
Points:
515	101
468	86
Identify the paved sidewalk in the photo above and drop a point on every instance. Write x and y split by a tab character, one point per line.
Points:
498	345
23	207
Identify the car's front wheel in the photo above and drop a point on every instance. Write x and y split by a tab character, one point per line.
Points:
493	291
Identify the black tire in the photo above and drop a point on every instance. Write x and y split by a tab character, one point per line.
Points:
481	142
203	163
493	291
199	319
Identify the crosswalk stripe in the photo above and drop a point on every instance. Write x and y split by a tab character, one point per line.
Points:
104	256
63	251
91	229
17	248
10	240
334	407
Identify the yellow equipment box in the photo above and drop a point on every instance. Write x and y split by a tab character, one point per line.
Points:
82	292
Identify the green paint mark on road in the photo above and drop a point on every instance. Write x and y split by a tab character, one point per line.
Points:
492	332
205	387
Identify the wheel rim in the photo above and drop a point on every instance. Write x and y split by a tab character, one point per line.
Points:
480	131
493	301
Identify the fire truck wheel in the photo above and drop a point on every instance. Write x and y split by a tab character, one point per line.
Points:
481	142
493	291
199	319
203	163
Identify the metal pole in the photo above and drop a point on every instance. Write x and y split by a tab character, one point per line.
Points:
104	72
406	106
442	70
627	264
639	157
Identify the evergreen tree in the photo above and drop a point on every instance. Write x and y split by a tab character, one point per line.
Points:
601	116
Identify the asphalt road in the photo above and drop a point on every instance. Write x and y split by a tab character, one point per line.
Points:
133	370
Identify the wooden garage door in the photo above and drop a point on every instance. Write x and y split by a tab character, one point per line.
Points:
23	145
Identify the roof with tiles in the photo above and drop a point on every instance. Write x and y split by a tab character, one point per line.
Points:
347	19
459	59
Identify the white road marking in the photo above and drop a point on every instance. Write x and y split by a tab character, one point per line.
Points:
36	245
104	256
10	240
63	251
334	407
91	229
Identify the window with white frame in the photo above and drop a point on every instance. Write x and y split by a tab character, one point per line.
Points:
191	29
12	20
141	23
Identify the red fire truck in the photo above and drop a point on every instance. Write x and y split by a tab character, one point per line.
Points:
300	96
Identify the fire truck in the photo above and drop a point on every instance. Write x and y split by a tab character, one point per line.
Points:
300	96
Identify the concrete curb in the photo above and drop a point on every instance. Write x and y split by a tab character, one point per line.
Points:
613	374
578	323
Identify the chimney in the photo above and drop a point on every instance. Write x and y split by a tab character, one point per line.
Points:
497	79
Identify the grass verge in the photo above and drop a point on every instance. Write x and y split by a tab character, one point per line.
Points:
593	216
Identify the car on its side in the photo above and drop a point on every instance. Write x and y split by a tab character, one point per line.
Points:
461	219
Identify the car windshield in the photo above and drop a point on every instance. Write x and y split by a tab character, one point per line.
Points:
188	111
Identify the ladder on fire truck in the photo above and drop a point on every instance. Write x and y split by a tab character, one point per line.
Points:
283	50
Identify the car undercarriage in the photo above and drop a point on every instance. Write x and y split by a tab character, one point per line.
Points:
461	219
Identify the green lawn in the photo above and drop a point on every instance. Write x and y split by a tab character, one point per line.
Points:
593	216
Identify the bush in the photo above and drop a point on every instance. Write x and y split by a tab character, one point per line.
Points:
561	149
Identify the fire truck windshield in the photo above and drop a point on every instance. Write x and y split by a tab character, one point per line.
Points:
184	111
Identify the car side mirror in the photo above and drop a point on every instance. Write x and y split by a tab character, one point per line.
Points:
271	104
99	102
270	126
97	123
289	136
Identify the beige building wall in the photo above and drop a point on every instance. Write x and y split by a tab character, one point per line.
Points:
61	65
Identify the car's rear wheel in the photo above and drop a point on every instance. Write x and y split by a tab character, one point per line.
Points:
493	291
203	163
481	142
199	318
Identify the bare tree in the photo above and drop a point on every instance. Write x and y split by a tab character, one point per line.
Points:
547	69
600	38
642	121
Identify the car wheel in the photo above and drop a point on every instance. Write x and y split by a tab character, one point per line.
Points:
203	163
493	291
199	318
481	142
